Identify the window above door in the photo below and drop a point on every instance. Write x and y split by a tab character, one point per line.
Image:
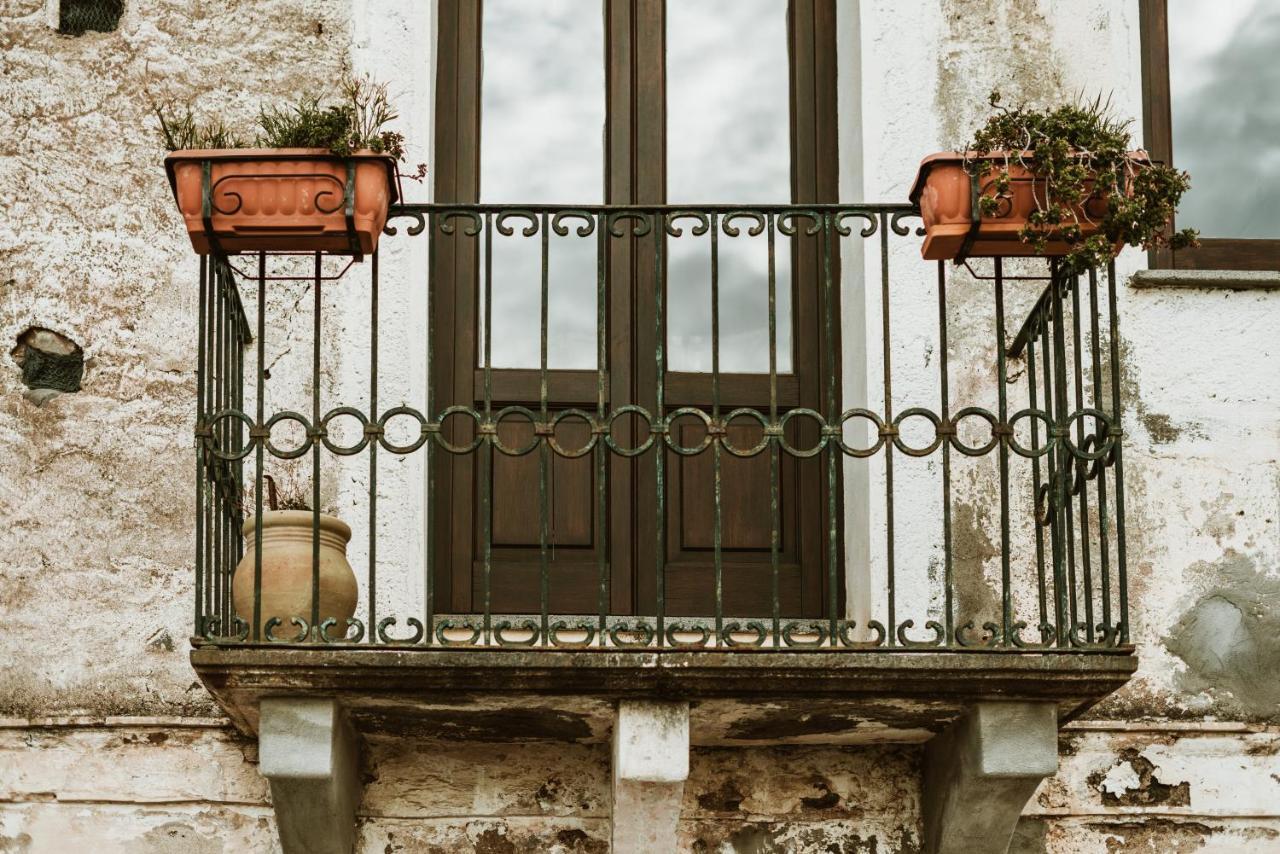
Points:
1210	108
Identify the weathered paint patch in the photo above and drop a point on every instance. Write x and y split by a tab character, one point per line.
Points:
1133	781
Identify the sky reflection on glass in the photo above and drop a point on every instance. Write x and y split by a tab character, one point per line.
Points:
1224	80
728	140
542	140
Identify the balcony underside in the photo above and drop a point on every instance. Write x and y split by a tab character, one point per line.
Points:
737	698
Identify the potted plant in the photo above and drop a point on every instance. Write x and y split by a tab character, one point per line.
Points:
1060	182
287	554
317	178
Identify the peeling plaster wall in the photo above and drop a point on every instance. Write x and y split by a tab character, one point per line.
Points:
95	487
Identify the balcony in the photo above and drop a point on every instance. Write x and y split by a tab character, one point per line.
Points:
851	544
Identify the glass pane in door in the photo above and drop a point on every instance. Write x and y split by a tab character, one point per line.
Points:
728	141
542	141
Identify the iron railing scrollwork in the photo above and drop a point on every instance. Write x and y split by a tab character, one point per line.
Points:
1057	489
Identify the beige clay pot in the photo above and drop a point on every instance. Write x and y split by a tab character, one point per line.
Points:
286	572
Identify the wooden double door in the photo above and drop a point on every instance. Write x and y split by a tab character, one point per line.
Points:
642	149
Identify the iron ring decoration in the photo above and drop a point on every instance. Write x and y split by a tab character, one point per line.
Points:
704	636
985	415
796	413
209	440
791	629
876	422
727	226
445	625
288	415
412	446
527	625
788	226
745	412
638	449
412	622
643	629
496	439
903	230
872	226
641	227
447	225
588	419
730	629
703	220
240	176
340	450
554	630
939	634
683	450
846	627
917	412
268	630
1013	436
1103	448
585	230
528	231
419	225
449	412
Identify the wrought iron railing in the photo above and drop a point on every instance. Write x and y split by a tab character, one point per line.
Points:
1052	482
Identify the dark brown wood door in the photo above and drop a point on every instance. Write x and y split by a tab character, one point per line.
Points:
641	161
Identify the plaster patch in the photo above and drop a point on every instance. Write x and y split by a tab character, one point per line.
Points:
1230	638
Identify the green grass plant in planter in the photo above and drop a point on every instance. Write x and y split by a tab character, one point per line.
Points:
1061	182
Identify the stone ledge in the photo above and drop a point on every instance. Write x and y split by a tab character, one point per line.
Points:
738	698
1237	280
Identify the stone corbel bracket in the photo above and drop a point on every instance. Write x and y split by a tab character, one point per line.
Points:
310	754
980	773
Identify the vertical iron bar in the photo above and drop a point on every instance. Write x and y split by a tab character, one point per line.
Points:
544	447
1051	476
716	441
429	561
1117	436
373	453
201	426
888	421
944	382
601	457
212	529
260	441
1080	465
486	454
315	458
1035	480
775	526
833	448
1006	580
1104	546
659	420
1062	485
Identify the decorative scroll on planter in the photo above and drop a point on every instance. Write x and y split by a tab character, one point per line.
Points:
282	200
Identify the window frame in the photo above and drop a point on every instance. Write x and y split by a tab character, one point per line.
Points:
1214	253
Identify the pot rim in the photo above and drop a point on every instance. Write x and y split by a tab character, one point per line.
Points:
939	158
187	155
296	519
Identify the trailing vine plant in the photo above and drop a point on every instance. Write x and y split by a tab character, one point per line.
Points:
1083	175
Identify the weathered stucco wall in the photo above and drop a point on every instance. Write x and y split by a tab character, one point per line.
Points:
96	487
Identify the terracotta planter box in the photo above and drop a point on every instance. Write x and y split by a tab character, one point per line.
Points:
943	191
282	199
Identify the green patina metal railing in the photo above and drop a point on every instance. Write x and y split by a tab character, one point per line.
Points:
1066	354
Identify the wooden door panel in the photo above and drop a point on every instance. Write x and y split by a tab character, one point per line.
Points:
745	514
516	516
